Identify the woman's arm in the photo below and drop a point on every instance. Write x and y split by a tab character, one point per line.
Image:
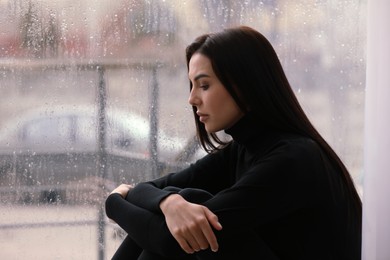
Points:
279	182
146	228
211	173
137	221
275	186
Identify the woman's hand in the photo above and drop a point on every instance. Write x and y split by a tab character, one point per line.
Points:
190	224
123	189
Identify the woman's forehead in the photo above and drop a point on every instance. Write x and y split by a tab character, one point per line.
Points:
199	66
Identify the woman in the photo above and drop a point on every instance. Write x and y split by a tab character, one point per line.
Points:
277	190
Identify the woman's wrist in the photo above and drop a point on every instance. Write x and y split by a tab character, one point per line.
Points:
167	201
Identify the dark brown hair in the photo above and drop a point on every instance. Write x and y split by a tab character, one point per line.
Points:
245	61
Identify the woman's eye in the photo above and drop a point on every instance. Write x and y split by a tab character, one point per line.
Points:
204	87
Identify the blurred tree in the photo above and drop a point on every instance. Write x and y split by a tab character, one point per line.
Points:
39	36
31	31
152	19
51	37
139	29
224	13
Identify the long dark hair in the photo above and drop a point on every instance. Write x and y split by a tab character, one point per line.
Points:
245	62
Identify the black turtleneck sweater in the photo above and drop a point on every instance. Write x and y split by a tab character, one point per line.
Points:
280	186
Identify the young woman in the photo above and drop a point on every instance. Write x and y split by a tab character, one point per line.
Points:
277	190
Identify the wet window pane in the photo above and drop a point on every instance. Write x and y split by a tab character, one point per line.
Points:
94	93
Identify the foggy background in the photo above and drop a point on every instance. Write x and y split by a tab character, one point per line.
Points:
61	60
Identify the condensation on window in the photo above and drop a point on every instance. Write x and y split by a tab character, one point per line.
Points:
94	94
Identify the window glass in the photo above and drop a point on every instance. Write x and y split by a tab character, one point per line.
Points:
48	130
86	130
100	88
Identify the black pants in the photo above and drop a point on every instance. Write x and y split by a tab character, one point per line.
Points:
237	245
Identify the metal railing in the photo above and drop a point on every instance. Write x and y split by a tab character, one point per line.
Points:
100	67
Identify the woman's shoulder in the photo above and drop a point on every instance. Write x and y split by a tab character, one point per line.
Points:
296	143
295	150
285	144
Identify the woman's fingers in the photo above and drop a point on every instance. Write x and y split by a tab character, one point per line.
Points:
200	234
123	189
187	242
184	245
190	224
213	219
200	241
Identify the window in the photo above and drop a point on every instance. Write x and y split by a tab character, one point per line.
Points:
62	56
48	130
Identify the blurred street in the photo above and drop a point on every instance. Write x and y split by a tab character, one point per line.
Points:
49	232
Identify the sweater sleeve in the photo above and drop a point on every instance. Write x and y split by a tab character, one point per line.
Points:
210	173
140	216
148	229
276	185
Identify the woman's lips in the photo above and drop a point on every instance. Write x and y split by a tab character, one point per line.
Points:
202	117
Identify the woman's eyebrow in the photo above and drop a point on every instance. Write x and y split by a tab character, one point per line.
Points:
201	76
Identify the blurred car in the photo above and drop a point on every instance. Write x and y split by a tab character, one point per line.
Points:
51	147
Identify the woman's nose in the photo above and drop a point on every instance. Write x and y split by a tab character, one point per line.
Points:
192	99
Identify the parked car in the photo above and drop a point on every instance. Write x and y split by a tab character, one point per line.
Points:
51	148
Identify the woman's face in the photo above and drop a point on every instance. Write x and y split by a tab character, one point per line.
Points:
216	109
